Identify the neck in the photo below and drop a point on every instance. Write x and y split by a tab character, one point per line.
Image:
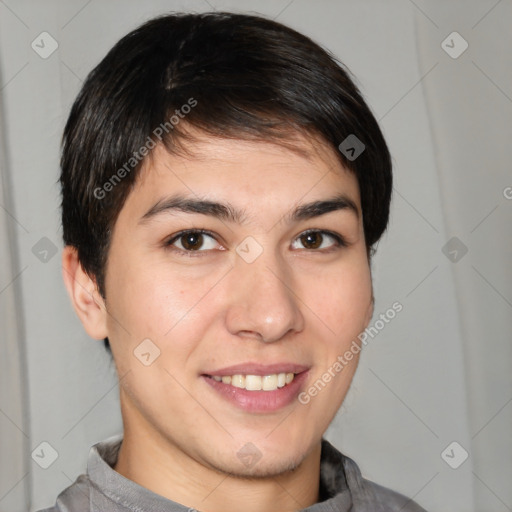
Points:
158	464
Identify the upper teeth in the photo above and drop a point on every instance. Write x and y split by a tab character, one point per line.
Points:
257	382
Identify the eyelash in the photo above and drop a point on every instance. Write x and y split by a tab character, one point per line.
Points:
340	242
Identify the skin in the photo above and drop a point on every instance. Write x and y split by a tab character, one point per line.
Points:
293	303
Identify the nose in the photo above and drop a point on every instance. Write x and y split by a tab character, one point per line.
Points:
262	301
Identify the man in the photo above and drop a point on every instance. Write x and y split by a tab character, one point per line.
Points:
224	184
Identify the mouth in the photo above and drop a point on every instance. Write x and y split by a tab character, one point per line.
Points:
258	389
256	382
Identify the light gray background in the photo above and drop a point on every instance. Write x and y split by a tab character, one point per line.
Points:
439	372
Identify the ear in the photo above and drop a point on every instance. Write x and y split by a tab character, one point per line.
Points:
369	312
85	297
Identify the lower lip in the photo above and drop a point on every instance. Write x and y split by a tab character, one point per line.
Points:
259	401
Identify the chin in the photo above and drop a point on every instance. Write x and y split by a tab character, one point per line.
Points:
263	469
253	463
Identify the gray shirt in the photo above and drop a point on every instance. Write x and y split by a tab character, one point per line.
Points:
102	489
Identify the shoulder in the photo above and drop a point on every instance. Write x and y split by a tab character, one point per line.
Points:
74	498
341	476
394	501
379	498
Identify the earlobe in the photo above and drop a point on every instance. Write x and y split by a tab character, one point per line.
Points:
85	297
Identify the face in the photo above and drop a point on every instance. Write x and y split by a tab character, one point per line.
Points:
226	270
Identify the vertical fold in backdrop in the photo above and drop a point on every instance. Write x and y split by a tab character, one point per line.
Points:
14	440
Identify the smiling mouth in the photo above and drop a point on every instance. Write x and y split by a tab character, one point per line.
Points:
256	382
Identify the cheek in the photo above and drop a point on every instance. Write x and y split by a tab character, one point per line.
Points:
342	300
155	301
342	303
142	302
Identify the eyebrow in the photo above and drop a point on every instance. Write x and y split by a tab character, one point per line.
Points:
226	211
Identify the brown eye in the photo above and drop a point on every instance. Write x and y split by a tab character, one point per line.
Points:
192	241
311	240
317	239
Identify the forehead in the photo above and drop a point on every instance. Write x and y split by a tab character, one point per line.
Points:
257	175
